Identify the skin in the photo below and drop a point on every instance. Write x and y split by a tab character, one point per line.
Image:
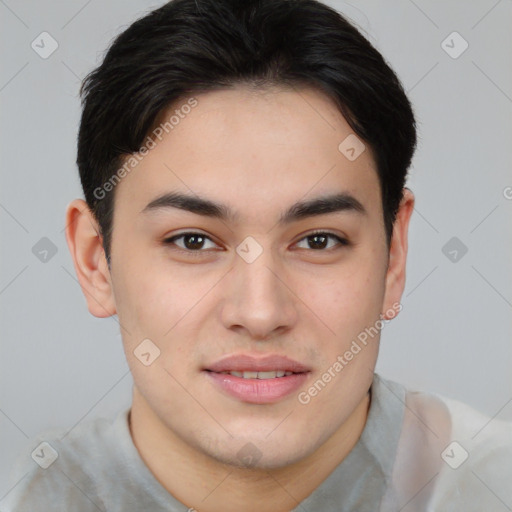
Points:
257	151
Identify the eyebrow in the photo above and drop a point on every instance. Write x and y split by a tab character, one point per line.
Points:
342	202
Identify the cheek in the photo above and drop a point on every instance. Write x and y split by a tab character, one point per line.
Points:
149	297
163	306
346	304
155	308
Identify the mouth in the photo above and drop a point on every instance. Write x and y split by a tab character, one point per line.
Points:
273	374
257	380
255	366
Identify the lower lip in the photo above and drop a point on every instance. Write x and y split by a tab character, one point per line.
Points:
258	391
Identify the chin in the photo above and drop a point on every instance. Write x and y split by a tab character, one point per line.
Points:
261	454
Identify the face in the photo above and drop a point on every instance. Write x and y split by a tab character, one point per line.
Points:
267	279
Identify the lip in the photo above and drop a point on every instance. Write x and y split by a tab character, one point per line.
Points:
257	391
250	363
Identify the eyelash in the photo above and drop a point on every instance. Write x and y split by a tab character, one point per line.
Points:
342	242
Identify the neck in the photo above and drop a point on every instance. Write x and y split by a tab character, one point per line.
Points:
207	485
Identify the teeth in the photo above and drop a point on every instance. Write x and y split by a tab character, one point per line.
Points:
260	375
266	375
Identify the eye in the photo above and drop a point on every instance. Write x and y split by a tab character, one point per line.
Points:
192	242
319	240
197	242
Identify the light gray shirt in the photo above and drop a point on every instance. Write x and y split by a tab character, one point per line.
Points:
417	452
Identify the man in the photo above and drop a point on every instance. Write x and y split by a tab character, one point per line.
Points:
246	217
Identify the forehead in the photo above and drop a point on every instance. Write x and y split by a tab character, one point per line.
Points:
256	149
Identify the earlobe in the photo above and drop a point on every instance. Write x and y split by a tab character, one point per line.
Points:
395	276
85	245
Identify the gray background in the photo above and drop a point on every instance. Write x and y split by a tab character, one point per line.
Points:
59	365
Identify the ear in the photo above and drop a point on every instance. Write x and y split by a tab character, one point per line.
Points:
395	276
85	245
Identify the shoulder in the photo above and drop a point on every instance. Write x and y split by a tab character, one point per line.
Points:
466	456
62	469
481	436
478	460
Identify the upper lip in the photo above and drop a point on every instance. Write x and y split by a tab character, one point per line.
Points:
250	363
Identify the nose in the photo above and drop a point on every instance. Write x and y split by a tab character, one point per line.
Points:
259	299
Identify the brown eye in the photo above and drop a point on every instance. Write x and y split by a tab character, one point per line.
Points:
320	240
192	242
